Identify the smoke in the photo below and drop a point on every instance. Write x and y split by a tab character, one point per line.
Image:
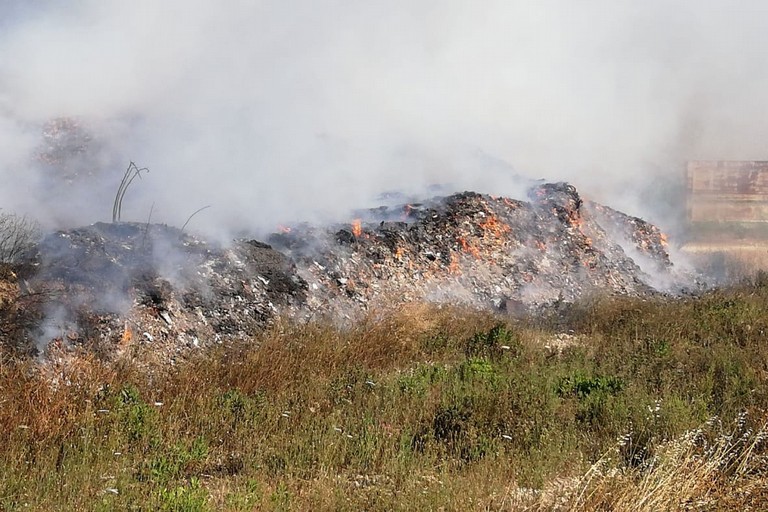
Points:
273	112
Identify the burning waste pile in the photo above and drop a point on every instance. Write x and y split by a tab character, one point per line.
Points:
120	284
485	251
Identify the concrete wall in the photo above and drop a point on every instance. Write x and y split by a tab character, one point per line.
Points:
727	192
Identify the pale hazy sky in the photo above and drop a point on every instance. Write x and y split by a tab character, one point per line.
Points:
282	110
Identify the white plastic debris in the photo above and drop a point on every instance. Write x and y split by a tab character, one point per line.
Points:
165	316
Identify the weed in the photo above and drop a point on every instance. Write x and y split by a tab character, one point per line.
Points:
583	386
191	497
280	498
419	380
491	343
138	419
421	409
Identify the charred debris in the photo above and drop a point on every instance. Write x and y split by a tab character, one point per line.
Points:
112	286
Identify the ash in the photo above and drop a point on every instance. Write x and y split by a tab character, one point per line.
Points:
112	286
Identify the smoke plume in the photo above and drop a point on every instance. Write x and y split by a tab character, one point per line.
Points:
272	112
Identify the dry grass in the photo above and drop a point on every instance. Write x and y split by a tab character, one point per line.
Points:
425	408
705	469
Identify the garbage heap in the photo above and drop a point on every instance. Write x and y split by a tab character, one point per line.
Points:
112	286
491	252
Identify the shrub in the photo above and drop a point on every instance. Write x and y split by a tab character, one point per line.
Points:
18	235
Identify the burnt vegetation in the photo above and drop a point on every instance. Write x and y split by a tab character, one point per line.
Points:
131	173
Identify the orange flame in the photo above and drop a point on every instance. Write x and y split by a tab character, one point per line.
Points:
575	220
453	266
664	240
509	202
127	335
469	248
283	229
399	253
492	225
357	227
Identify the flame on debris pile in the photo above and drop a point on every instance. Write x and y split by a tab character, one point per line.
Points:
453	266
526	256
357	228
492	225
573	218
469	248
127	335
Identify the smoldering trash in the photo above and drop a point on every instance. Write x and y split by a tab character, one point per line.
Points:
116	285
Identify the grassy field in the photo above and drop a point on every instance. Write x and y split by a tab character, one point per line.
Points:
616	404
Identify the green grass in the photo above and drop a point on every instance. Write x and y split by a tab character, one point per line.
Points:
423	409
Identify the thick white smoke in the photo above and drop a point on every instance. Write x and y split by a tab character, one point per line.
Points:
276	111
